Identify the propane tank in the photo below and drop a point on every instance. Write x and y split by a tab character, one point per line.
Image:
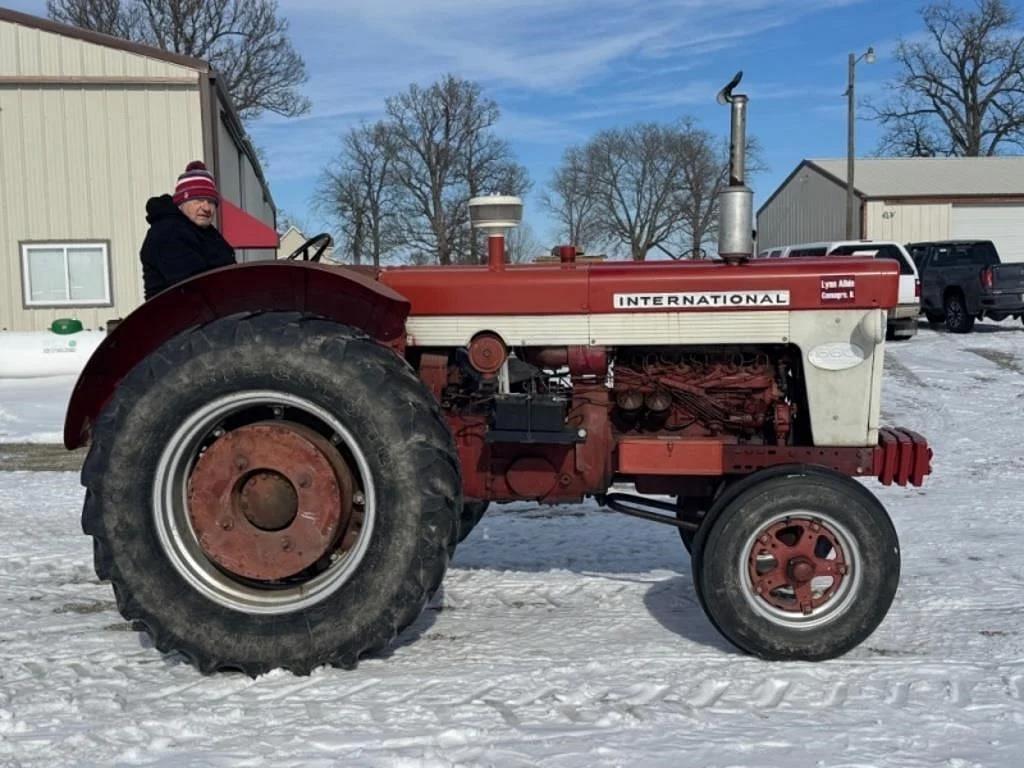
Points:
736	201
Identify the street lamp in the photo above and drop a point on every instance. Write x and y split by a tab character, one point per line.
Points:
869	57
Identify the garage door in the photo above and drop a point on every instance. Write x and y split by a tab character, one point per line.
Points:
1002	224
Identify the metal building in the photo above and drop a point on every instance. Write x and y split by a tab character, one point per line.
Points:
902	199
91	126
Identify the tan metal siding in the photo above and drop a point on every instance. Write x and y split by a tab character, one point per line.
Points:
807	209
238	182
256	203
79	164
34	52
907	222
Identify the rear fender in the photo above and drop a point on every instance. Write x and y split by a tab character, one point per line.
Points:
344	295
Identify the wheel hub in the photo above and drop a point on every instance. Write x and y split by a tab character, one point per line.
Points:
796	565
268	500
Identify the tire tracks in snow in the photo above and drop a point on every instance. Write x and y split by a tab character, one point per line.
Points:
516	704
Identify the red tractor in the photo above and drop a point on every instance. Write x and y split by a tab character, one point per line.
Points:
285	455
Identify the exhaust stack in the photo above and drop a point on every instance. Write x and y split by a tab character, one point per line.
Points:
736	201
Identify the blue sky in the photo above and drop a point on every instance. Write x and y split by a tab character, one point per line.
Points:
562	70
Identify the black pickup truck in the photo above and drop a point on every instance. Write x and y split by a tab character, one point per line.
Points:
963	280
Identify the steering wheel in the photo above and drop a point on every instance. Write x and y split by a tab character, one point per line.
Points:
322	243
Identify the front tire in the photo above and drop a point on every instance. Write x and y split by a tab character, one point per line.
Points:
802	566
271	491
691	510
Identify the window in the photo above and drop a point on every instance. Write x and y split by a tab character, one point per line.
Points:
808	252
944	256
984	254
66	274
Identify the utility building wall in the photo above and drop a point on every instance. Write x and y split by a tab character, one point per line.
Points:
907	222
808	208
238	182
116	128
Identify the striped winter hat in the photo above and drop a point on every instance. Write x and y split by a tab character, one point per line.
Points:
195	182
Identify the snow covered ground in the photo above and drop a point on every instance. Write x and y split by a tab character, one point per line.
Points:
32	410
571	636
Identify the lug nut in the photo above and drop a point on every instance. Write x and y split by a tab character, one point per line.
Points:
286	544
304	481
241	462
227	523
358	499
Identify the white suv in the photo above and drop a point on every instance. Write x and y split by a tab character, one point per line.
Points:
903	318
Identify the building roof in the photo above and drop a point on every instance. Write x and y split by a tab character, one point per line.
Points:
929	176
46	25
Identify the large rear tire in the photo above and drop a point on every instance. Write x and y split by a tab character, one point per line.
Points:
801	566
271	490
472	513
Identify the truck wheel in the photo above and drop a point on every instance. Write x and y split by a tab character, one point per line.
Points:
271	490
957	319
472	513
802	566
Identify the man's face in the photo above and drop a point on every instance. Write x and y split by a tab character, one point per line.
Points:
199	211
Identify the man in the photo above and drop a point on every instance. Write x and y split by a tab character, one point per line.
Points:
182	241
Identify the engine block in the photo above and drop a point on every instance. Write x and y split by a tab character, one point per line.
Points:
703	394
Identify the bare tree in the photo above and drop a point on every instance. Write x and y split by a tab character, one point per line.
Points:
705	170
522	246
961	91
245	41
572	201
358	191
445	151
645	187
635	175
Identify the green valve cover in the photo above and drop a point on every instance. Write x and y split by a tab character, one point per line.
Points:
65	325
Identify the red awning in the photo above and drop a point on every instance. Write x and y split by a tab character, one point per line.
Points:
243	230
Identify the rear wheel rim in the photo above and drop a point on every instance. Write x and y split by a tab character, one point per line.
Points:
180	521
800	569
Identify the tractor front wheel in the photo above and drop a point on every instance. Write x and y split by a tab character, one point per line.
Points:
271	490
801	566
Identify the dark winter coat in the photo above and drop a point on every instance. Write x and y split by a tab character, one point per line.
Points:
175	249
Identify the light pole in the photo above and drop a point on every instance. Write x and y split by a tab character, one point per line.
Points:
851	212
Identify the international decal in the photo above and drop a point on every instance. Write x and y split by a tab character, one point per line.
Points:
701	300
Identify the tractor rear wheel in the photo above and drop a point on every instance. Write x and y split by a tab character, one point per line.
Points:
271	490
801	566
472	513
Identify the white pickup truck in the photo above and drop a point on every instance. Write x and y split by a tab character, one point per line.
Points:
902	320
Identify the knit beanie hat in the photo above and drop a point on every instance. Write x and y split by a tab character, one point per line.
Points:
196	182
